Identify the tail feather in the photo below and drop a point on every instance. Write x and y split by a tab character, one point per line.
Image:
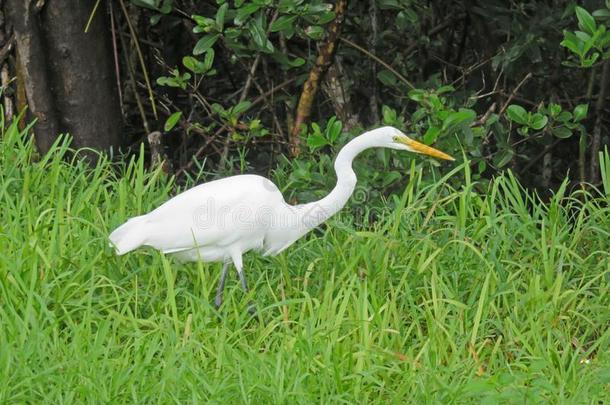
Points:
129	236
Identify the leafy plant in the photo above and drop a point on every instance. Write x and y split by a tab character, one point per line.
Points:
562	124
435	118
329	137
592	40
175	80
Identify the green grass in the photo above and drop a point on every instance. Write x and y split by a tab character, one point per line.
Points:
458	296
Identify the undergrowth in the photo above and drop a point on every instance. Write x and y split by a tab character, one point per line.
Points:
453	296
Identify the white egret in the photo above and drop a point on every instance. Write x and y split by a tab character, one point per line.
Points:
223	219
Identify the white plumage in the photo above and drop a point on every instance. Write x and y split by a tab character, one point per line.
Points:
222	219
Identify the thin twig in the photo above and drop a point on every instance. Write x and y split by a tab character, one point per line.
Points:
132	79
251	73
266	94
199	151
514	93
481	121
141	58
115	52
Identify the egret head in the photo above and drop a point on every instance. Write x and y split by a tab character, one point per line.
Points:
390	137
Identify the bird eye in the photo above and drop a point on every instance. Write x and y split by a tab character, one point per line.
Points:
395	138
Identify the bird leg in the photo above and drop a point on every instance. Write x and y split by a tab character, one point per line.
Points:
244	286
221	285
242	278
239	265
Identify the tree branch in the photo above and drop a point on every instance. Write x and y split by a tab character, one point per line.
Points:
310	88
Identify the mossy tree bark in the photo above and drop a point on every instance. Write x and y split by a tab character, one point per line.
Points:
310	88
68	74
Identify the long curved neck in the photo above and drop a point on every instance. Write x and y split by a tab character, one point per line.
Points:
314	213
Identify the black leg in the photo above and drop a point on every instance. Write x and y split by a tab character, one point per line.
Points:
242	278
221	285
244	286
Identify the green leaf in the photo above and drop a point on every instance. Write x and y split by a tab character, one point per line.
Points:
220	16
588	62
259	36
571	42
296	62
538	121
218	109
333	129
517	114
463	116
154	19
288	6
167	7
193	64
586	22
419	115
503	158
150	4
205	43
561	132
172	120
287	62
431	135
326	17
208	60
388	4
580	112
241	107
601	13
586	41
245	11
416	95
315	32
564	116
390	177
389	115
316	141
386	77
436	102
204	24
283	23
554	109
176	80
445	89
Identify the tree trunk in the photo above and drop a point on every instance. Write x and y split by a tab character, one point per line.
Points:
31	67
69	76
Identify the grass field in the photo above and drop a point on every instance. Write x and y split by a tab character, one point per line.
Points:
458	296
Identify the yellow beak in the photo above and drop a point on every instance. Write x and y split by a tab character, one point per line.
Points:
424	149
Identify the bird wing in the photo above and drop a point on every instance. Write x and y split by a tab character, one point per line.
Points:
219	213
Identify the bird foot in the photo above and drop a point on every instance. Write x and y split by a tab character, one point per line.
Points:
218	302
251	308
